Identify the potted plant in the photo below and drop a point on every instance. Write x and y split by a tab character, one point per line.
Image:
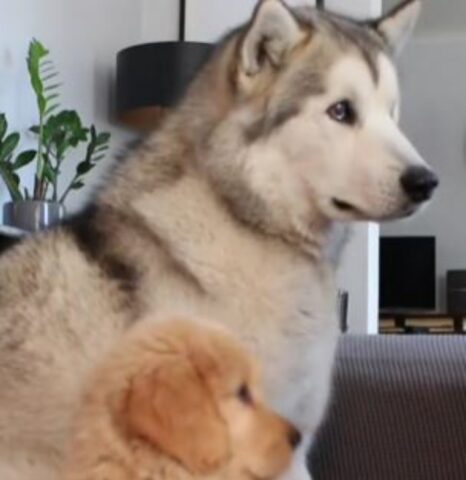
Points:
58	132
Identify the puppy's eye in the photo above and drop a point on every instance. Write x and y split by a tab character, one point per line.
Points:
343	112
244	394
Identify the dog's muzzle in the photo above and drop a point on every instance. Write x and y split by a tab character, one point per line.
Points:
419	183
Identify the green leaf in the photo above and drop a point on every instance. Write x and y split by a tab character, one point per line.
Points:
11	180
70	118
42	104
45	64
52	96
77	185
15	178
51	109
49	76
35	55
3	126
52	87
37	50
8	146
102	149
35	129
24	159
49	173
84	167
103	138
63	131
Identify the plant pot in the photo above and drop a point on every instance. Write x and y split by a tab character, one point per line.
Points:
32	215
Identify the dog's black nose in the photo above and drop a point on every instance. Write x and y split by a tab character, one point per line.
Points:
419	183
294	437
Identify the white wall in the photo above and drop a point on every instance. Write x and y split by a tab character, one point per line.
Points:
359	276
159	20
433	72
208	20
356	8
438	16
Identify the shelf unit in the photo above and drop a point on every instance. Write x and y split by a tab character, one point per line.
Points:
409	322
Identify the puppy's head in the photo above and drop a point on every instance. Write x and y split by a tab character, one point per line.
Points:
193	394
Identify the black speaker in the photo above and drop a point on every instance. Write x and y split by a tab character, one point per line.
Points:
456	291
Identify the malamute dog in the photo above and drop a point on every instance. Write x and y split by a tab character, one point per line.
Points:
225	213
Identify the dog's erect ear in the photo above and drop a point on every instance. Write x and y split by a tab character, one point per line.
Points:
397	25
273	32
173	410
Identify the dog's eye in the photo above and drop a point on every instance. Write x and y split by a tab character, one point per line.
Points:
343	112
244	394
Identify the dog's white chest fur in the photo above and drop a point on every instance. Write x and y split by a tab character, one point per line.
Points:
278	300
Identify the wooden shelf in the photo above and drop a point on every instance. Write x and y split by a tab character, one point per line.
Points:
399	322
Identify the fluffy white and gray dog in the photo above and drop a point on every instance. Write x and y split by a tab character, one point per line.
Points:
225	212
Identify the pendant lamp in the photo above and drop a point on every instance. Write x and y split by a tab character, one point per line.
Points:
152	77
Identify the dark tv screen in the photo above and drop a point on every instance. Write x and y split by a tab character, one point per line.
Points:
407	273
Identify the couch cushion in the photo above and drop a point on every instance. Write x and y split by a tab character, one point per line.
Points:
398	410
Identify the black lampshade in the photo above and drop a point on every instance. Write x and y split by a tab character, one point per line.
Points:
152	77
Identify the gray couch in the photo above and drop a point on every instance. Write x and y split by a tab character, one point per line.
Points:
398	411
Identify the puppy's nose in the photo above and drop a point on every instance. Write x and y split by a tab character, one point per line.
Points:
419	183
294	437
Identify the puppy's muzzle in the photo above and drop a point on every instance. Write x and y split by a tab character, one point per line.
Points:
294	437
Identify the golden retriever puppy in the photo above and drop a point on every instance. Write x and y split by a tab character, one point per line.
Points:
178	401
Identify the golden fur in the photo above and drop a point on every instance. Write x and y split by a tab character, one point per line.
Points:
178	401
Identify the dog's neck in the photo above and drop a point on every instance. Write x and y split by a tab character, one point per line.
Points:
167	192
188	214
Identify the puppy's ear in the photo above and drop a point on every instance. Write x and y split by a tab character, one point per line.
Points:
172	409
397	26
273	32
